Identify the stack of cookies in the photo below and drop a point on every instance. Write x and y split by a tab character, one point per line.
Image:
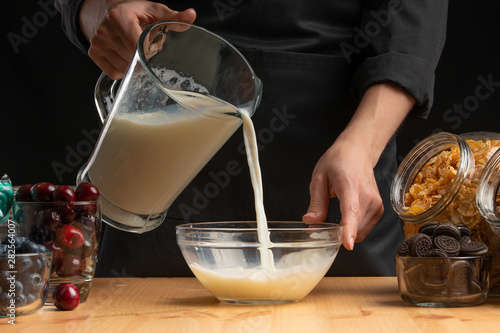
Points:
436	239
441	261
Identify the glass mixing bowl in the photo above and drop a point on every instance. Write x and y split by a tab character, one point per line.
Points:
242	264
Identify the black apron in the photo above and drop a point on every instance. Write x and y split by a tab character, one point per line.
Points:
306	104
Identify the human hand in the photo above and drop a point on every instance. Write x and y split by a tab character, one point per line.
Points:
113	28
345	171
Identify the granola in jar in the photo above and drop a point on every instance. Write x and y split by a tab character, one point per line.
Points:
438	181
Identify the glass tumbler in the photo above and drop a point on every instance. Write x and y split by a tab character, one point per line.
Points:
72	231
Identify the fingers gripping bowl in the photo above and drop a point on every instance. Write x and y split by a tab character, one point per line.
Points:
233	263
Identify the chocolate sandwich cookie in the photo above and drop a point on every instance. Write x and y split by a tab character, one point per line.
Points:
412	274
420	245
436	270
404	249
473	249
464	230
464	240
447	229
448	244
461	276
433	284
428	227
437	253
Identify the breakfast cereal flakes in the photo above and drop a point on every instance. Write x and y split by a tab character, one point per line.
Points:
432	182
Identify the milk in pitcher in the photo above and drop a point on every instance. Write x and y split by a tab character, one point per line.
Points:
145	160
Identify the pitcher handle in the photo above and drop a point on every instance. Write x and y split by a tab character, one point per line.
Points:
104	95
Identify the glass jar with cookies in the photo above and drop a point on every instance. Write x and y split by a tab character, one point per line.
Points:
438	182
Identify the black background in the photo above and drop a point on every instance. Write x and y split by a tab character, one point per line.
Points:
49	122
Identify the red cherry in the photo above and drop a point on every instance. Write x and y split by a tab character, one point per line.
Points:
69	236
23	193
66	296
89	222
89	208
71	265
86	192
57	253
64	193
89	247
68	214
48	217
42	192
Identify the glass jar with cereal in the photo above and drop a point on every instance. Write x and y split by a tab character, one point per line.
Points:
438	181
488	191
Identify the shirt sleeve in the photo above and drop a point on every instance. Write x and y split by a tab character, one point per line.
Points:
70	22
401	42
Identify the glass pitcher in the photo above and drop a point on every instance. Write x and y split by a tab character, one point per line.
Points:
178	103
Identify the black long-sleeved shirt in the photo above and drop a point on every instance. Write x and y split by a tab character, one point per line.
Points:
315	59
395	40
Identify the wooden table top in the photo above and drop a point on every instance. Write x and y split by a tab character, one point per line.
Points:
337	304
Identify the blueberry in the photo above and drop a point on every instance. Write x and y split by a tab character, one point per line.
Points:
41	248
7	239
5	265
22	264
37	265
4	279
4	305
36	234
42	234
3	248
19	287
34	283
30	298
20	300
29	247
4	297
4	301
18	242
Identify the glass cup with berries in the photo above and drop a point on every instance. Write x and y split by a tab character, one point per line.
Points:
66	220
